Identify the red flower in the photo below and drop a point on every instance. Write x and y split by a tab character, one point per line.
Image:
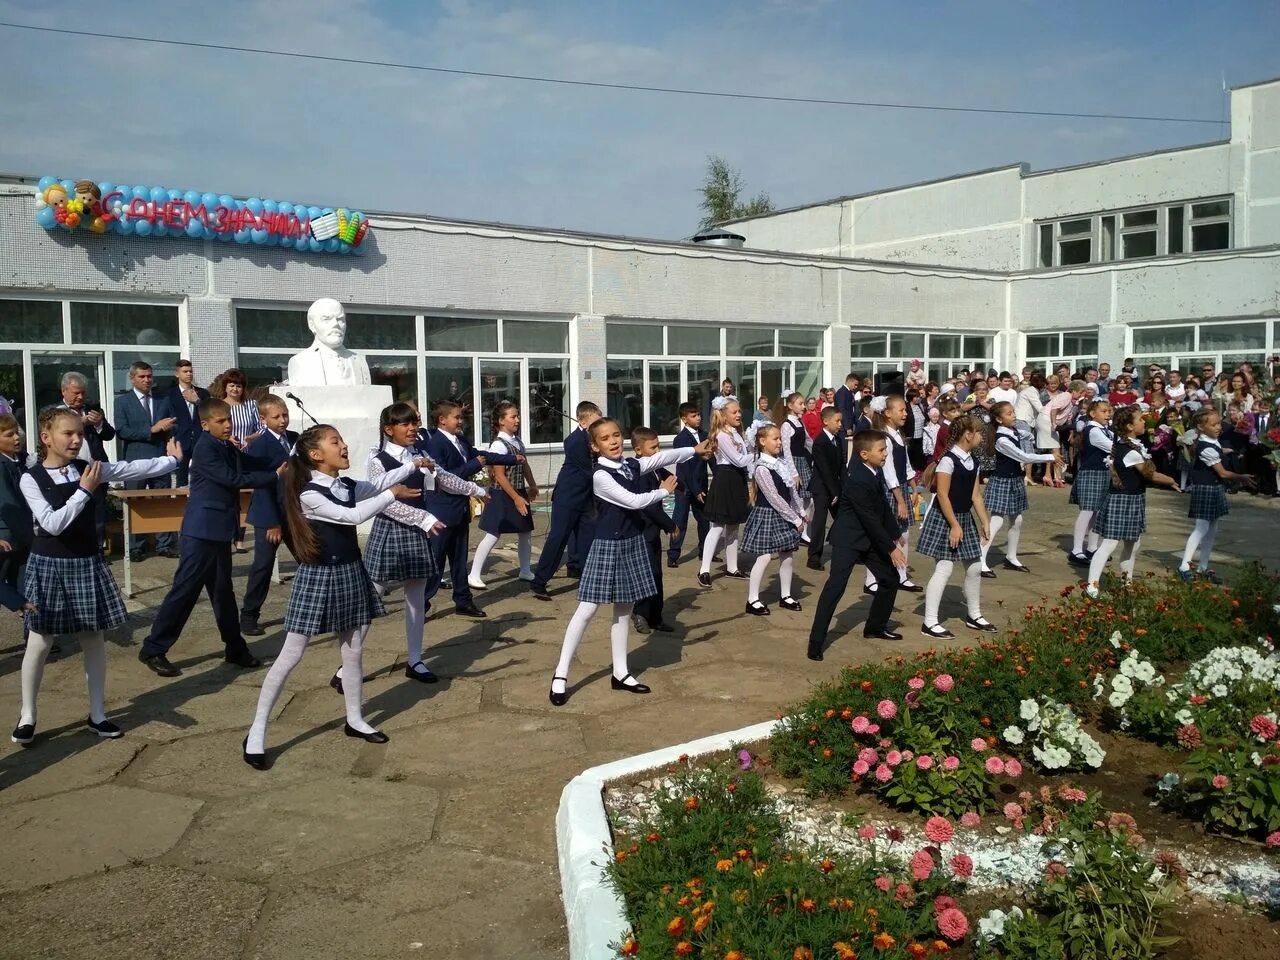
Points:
1263	727
962	866
922	865
939	829
953	924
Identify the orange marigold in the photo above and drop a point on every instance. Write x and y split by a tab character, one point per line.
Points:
653	837
917	949
684	949
827	864
702	923
735	955
941	946
744	854
883	941
724	866
676	927
630	947
844	951
808	905
801	953
691	803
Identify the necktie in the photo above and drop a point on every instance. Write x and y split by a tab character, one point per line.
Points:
625	470
284	442
146	405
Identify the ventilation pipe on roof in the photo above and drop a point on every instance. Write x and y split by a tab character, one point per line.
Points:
720	238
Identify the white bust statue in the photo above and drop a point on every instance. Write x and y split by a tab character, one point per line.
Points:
327	360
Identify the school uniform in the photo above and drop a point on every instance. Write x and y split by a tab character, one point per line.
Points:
728	502
572	510
16	523
691	483
935	532
897	474
771	526
271	449
187	429
795	450
1208	493
135	413
500	514
1123	515
826	486
656	524
1005	494
218	471
95	440
1092	481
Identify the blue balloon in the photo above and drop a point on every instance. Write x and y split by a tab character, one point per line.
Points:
286	240
258	236
45	182
326	211
331	245
210	200
243	236
175	195
142	227
314	213
192	198
226	200
70	187
106	188
125	226
159	195
195	229
255	205
285	207
315	245
46	218
159	230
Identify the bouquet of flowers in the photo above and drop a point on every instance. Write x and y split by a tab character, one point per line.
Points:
1271	441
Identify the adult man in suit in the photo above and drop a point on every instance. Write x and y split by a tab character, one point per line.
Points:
846	401
271	447
218	472
184	403
97	431
865	531
145	423
691	485
828	470
572	501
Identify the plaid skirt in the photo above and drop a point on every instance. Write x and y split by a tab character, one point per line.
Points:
903	525
331	599
768	531
804	468
1005	496
398	552
935	537
74	594
617	571
1123	517
1090	488
1208	501
727	501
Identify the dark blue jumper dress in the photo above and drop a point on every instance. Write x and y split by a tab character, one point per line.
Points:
617	567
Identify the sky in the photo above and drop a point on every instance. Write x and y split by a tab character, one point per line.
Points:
601	160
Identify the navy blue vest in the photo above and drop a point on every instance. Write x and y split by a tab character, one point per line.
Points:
1006	466
1131	481
414	481
80	539
1203	475
963	480
1091	458
779	484
515	475
899	453
338	541
798	449
618	523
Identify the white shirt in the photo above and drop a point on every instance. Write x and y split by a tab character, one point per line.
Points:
1135	456
964	456
1210	456
1001	395
789	508
52	521
732	449
1098	437
891	478
613	492
408	514
1175	391
369	498
1007	443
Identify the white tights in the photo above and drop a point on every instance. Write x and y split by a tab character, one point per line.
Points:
351	644
938	582
415	615
1015	537
1128	559
730	534
92	645
758	569
1202	536
1082	535
524	550
618	630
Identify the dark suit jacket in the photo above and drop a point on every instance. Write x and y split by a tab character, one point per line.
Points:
691	475
16	523
844	402
864	521
828	467
656	521
133	427
10	597
453	508
95	438
264	505
573	482
187	430
218	472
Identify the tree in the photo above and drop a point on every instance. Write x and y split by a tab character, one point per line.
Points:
720	195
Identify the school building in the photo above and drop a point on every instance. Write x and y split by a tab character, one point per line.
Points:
1171	256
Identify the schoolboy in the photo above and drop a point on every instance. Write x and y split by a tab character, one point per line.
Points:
572	502
16	524
218	472
691	484
865	531
828	470
273	446
648	612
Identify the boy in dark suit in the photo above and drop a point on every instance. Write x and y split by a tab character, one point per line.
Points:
272	447
143	424
828	469
648	612
691	485
218	472
571	505
16	525
865	531
184	404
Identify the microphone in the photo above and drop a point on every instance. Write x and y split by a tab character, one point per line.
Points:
293	398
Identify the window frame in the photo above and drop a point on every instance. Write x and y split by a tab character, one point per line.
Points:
1100	251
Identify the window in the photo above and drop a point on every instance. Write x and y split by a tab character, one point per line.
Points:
693	341
978	347
400	373
640	339
1079	344
1195	225
272	328
449	378
664	397
548	400
448	334
1075	241
380	331
124	323
1174	226
260	368
1076	348
748	342
1108	238
626	393
909	345
31	321
1210	236
1164	339
944	345
862	345
1233	336
745	385
793	342
12	381
535	336
1043	345
1046	244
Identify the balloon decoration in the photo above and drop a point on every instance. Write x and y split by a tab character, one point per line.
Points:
159	212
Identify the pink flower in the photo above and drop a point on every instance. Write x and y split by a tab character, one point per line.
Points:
1220	782
916	683
953	924
970	818
962	866
873	729
1273	839
943	682
895	834
860	767
995	766
939	829
868	755
978	744
886	743
884	773
1054	871
1188	736
1072	794
867	832
1012	811
860	724
912	699
1012	768
744	759
907	756
941	903
883	883
924	761
893	758
951	763
1263	727
904	894
921	865
887	709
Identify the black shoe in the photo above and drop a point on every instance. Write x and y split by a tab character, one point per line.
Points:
981	624
470	610
376	737
1021	568
573	574
242	658
256	760
23	734
882	634
136	557
251	628
336	682
672	564
988	574
639	624
790	603
937	632
910	587
559	699
172	554
736	575
814	655
870	588
636	687
814	564
757	609
422	676
540	593
662	627
704	579
158	664
1078	559
105	729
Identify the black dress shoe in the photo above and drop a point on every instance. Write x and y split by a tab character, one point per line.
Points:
910	588
136	557
757	609
256	760
885	634
704	579
988	574
814	564
470	610
937	632
376	737
422	676
336	682
981	624
158	664
1021	568
662	627
540	593
1078	559
559	699
23	734
672	564
634	687
814	655
736	575
790	603
105	729
242	658
251	628
171	554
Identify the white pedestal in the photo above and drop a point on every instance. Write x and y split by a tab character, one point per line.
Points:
353	411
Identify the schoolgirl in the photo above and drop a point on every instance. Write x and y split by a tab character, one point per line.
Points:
617	567
795	450
1208	495
889	415
66	579
775	523
1123	516
950	533
1092	479
399	548
332	592
727	505
1005	495
510	507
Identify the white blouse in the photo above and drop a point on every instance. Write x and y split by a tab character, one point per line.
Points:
52	521
613	492
369	498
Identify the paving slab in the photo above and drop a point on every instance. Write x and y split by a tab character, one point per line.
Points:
78	761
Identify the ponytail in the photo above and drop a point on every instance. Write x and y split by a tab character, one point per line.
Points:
301	539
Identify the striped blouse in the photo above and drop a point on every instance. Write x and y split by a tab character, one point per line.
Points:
244	420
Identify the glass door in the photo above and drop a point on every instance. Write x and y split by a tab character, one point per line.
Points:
499	380
46	376
664	397
702	382
775	380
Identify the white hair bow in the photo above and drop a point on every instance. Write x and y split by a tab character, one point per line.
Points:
719	403
878	404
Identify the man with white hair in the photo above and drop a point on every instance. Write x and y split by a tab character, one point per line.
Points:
97	432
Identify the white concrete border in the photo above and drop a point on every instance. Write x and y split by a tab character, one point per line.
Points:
593	910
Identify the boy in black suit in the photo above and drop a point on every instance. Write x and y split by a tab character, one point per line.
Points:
828	469
272	446
184	404
648	612
209	523
16	525
691	487
865	531
572	504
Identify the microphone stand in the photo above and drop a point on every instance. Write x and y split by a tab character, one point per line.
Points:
305	411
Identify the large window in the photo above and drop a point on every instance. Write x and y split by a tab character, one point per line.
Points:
474	361
1222	345
943	355
1076	348
1193	226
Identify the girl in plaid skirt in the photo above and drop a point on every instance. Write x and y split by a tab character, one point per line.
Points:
775	524
728	503
332	592
1208	496
510	506
1005	495
1092	479
889	415
1123	516
795	451
949	532
617	567
67	580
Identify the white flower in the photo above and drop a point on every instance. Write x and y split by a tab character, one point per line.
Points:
1029	710
1257	760
1013	735
1145	672
1115	639
1183	717
1121	682
1219	690
1168	782
1118	699
991	927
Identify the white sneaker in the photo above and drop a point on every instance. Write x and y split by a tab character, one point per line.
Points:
526	575
1091	591
475	583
